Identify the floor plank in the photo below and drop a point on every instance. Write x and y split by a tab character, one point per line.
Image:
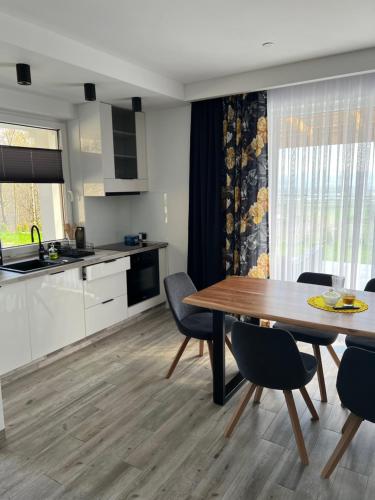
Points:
104	423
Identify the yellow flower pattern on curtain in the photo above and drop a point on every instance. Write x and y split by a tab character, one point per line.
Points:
245	195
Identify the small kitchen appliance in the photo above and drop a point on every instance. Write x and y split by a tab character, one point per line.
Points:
80	237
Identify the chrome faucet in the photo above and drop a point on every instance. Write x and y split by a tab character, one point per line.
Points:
41	247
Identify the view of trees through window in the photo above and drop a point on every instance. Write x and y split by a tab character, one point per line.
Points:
20	209
25	204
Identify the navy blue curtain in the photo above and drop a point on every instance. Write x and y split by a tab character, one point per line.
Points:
206	239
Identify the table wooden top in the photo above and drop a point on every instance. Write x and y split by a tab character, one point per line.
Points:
284	301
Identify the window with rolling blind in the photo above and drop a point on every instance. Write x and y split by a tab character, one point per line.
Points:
31	184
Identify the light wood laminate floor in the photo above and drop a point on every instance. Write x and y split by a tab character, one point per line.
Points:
104	423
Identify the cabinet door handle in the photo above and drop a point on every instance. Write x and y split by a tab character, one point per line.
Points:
106	301
109	261
58	272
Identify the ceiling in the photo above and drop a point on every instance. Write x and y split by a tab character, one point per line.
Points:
56	79
186	41
199	39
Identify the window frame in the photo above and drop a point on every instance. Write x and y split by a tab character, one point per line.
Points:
61	128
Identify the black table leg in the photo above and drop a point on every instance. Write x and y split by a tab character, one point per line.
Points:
218	365
221	391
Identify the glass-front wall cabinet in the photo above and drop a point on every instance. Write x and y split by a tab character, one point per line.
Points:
124	143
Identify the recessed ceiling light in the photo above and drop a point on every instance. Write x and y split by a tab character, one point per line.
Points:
268	44
23	74
90	92
136	104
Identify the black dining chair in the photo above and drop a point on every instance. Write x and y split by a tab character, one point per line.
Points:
314	337
356	388
193	322
364	342
269	357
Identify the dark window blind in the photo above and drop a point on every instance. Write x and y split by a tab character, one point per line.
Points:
37	165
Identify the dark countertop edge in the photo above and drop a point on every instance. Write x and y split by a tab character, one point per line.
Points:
9	277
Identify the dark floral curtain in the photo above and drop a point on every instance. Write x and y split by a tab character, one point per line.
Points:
246	185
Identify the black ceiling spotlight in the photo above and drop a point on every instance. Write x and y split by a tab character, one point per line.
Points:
23	74
90	92
136	104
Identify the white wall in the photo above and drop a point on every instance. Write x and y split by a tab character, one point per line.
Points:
107	219
168	142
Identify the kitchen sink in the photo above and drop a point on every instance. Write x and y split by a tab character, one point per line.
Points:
29	266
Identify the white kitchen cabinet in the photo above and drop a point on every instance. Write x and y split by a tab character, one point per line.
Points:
100	290
106	154
106	314
107	268
105	294
56	311
14	332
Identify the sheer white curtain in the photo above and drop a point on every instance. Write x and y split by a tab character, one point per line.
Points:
322	179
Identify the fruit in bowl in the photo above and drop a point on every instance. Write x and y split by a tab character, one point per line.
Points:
331	297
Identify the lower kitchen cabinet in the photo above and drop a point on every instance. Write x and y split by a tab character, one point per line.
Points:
106	314
14	333
100	290
43	314
56	311
105	294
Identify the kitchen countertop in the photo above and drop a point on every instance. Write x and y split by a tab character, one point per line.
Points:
102	254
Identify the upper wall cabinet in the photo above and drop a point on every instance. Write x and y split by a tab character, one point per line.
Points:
113	150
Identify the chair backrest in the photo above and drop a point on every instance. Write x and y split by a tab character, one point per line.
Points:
315	279
356	382
268	357
370	286
177	287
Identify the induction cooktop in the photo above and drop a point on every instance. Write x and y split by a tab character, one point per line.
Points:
121	247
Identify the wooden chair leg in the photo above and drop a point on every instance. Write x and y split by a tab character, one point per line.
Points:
351	427
201	348
296	427
322	384
229	344
258	395
345	426
309	404
178	356
210	351
335	358
239	410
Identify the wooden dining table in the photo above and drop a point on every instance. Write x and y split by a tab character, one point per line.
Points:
275	300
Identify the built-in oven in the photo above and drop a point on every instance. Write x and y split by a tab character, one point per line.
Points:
143	277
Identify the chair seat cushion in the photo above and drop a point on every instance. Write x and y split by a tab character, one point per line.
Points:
200	325
363	342
309	335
